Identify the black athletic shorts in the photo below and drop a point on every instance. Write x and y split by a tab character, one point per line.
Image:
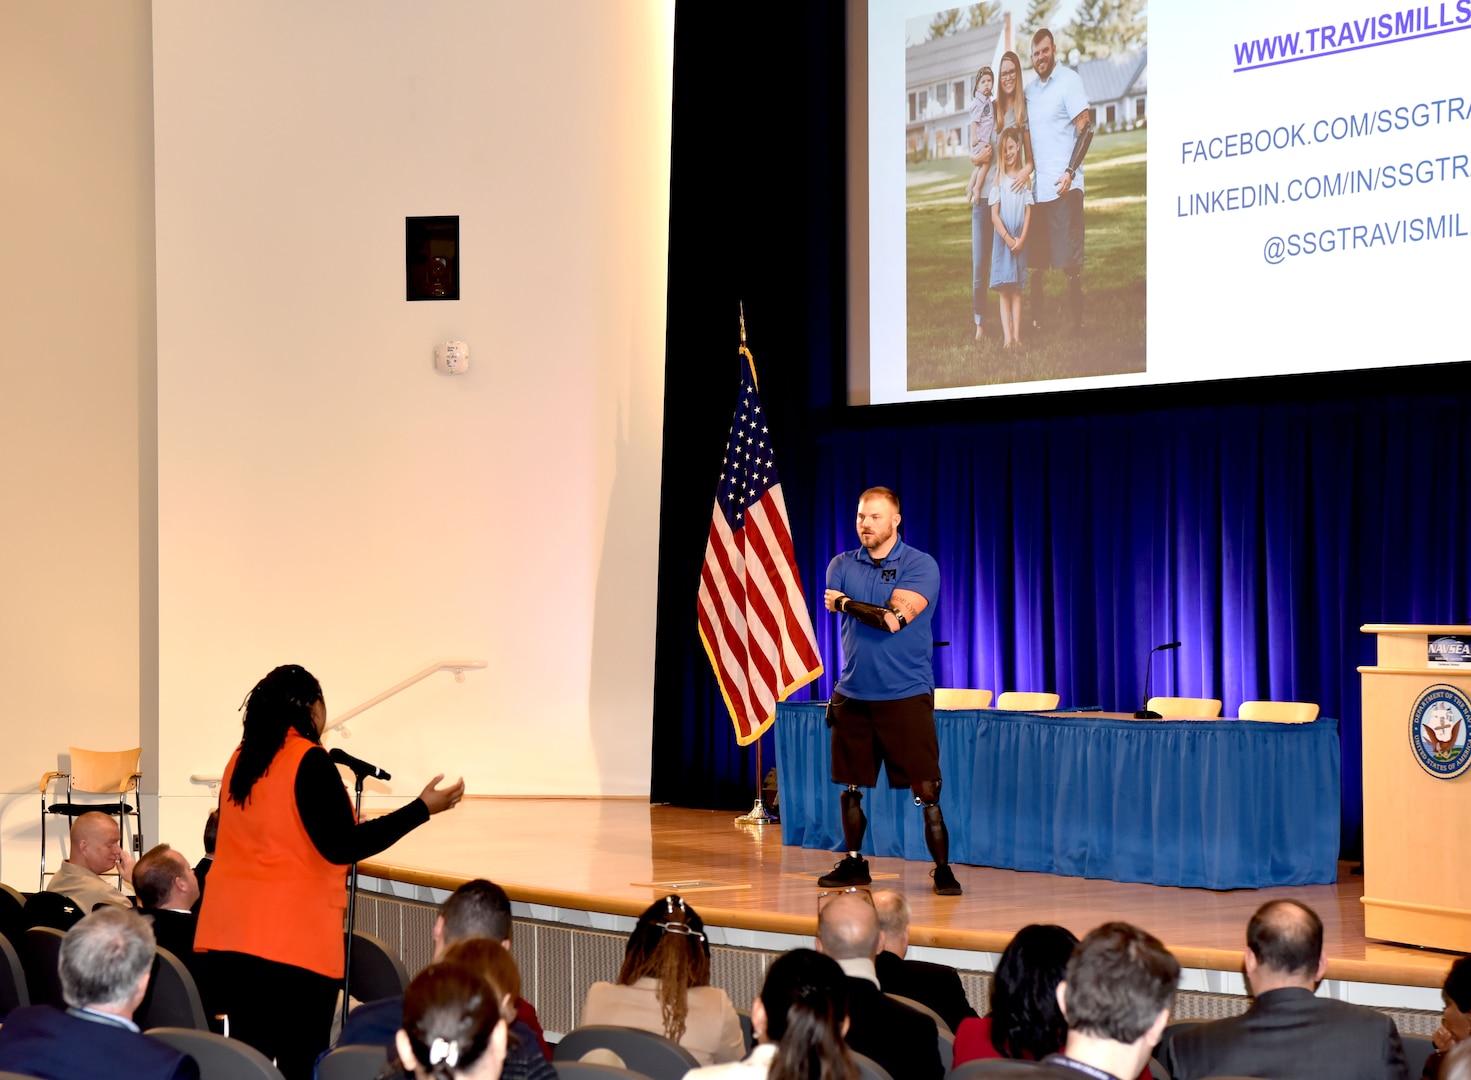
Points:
900	733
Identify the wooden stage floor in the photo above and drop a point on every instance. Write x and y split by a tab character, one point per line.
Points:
618	855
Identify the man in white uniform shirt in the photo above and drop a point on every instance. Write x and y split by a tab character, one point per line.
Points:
1061	124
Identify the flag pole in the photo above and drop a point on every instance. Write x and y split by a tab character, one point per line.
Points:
758	814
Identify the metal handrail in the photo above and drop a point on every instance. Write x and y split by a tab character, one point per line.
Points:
459	667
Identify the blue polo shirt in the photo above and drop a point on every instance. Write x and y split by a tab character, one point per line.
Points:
878	665
1051	106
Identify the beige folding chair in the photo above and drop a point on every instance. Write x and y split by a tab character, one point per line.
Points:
949	698
1023	701
1185	708
95	772
1279	712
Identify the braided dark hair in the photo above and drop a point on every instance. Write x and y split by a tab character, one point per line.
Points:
669	945
805	997
450	1014
279	703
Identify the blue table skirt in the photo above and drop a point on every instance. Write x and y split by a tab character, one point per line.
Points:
1223	804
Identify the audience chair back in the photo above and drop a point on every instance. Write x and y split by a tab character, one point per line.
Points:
12	912
583	1070
869	1069
642	1051
1417	1051
13	991
354	1063
1185	708
172	999
53	910
40	955
113	773
748	1029
1157	1071
1279	712
950	698
1022	701
376	972
981	1066
218	1058
946	1036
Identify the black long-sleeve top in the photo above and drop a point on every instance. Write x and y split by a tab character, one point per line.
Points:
326	811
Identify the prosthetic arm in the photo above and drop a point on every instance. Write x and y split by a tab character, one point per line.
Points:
1083	140
870	614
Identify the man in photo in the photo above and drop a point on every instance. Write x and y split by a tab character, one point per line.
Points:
1062	129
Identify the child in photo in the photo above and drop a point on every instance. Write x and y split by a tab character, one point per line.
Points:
1011	213
982	131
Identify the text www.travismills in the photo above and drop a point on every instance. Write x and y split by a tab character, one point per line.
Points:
1377	234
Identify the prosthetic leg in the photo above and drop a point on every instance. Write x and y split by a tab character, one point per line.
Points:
936	836
853	870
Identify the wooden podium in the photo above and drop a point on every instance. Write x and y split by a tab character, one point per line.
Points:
1417	872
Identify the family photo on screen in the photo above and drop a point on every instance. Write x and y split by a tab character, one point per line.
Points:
1025	140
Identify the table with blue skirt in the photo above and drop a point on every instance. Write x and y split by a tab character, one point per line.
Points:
1214	804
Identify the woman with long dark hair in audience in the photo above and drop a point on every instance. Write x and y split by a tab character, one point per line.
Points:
1025	1021
455	1025
273	917
800	1018
664	986
524	1059
1455	1021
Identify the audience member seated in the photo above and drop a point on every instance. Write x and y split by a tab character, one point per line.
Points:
902	1040
1289	1033
477	909
524	1059
1025	1021
201	868
664	987
934	985
1455	1024
106	960
167	891
453	1026
799	1018
95	850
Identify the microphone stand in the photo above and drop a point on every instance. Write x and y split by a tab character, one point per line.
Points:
1145	712
352	896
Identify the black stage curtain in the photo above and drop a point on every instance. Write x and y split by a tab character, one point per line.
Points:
1258	522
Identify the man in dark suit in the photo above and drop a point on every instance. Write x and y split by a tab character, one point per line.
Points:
933	985
1289	1033
106	960
167	891
902	1040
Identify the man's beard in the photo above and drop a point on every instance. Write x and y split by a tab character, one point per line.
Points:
875	539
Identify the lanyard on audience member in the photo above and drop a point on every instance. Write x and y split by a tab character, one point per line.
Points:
1078	1066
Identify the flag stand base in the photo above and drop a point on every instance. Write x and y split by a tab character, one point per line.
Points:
758	816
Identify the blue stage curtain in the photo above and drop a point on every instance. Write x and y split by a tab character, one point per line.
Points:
1261	536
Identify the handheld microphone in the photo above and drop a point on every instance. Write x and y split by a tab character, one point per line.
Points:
1145	712
359	767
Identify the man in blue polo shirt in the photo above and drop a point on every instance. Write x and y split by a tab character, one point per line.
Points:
1061	123
882	709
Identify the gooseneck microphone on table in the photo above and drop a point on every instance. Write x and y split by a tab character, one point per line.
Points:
361	768
1145	712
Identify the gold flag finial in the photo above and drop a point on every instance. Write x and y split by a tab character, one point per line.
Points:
743	323
745	351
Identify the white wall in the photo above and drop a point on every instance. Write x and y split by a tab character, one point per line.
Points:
76	344
323	496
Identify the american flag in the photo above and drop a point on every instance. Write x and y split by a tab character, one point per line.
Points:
753	613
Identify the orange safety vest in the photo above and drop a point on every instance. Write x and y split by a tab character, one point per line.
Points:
271	894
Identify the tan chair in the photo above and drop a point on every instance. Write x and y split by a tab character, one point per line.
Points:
1279	712
95	772
1022	701
1185	708
947	698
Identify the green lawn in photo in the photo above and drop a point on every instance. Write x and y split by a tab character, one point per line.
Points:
942	350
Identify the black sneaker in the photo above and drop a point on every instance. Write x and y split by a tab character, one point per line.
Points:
945	883
851	871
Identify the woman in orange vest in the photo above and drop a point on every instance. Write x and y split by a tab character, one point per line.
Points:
273	918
